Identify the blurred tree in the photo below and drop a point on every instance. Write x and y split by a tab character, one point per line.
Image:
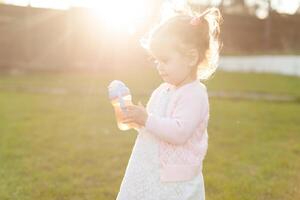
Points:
261	7
240	3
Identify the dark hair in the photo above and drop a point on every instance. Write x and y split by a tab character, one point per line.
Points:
180	33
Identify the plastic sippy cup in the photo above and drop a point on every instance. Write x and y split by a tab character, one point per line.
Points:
119	95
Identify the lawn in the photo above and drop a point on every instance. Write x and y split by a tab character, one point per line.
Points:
59	139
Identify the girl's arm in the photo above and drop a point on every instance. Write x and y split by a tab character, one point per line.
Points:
190	110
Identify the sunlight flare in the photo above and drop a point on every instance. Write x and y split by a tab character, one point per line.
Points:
120	15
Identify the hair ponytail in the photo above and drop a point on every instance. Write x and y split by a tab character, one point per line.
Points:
208	67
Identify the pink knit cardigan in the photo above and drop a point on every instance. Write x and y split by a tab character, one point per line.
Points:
182	132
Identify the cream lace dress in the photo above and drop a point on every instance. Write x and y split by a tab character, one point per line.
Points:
142	179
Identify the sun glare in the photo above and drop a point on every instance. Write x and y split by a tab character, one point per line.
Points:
289	7
17	2
118	14
127	15
55	4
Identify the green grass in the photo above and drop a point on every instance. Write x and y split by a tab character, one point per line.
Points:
67	146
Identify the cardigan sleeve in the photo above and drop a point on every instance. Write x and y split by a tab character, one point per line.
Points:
189	111
150	102
153	96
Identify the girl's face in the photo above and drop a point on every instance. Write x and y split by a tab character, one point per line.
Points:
173	67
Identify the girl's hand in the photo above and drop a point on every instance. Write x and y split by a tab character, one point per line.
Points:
136	114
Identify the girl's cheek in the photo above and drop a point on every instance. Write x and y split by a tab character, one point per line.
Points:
179	72
173	70
174	73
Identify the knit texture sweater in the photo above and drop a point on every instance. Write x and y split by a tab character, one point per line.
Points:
182	132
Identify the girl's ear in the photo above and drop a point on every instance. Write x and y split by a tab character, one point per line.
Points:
194	56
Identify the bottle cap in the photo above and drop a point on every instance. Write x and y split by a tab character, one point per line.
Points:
117	89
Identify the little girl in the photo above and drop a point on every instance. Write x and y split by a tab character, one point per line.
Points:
166	160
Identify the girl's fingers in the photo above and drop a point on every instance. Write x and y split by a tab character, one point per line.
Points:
128	107
128	114
131	107
127	120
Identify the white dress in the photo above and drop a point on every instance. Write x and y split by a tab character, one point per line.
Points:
142	179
